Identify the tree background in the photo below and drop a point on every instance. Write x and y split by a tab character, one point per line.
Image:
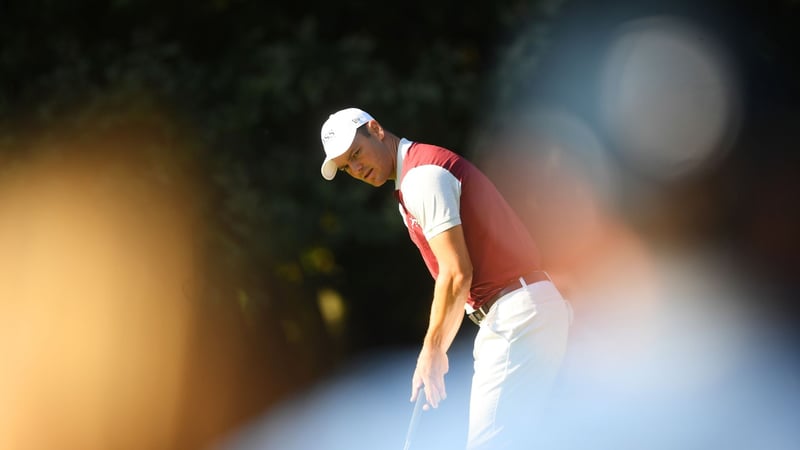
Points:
227	97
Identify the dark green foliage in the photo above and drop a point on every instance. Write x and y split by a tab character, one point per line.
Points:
252	82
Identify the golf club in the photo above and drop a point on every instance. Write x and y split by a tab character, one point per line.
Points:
412	426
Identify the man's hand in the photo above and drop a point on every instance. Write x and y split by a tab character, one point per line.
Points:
432	364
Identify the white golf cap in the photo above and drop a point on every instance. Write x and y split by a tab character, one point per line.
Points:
337	136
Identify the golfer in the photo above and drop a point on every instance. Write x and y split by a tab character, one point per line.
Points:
486	266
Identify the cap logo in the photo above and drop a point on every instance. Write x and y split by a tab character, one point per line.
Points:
328	136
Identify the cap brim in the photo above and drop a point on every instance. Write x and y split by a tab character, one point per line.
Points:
329	169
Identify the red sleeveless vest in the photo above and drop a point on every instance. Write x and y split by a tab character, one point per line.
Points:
499	245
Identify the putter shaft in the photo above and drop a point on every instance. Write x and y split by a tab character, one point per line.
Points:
412	426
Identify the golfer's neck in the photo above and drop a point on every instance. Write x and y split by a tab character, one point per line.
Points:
393	143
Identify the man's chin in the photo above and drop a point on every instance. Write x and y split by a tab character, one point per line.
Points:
373	181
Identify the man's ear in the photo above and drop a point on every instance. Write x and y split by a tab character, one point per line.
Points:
375	129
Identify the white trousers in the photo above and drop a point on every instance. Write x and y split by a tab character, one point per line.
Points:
518	352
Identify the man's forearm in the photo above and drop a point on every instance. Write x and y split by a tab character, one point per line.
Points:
447	309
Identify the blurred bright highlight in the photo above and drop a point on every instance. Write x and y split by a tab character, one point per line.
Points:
669	97
332	308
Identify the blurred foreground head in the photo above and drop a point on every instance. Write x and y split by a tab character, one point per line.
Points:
96	230
100	322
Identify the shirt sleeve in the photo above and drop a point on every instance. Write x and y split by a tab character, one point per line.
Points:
432	195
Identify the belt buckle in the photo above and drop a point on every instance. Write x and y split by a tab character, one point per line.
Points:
477	316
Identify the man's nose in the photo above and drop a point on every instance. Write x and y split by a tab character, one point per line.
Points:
356	167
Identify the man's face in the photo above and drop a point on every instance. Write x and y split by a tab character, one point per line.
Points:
368	159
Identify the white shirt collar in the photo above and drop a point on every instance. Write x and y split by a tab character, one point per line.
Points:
402	149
